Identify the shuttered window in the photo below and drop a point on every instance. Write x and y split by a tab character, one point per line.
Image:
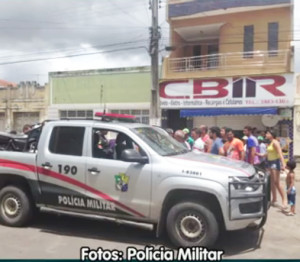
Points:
248	41
273	39
76	114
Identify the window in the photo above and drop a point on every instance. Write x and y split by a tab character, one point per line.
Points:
160	141
248	41
273	39
125	112
135	112
67	140
145	120
89	114
72	114
81	113
63	114
109	144
76	114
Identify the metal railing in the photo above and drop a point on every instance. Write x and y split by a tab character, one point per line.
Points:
235	60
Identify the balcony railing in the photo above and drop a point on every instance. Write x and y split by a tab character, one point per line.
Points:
251	60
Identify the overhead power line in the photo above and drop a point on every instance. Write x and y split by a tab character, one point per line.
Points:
101	12
85	17
96	27
74	55
55	51
125	12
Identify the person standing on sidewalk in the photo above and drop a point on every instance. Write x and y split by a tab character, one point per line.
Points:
199	144
224	134
188	138
245	139
234	147
274	158
180	137
215	136
291	189
206	138
252	147
262	151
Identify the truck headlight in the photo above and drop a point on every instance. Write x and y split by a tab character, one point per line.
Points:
250	189
247	184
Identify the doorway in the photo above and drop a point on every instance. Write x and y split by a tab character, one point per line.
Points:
174	120
213	56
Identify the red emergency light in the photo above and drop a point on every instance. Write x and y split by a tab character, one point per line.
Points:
116	117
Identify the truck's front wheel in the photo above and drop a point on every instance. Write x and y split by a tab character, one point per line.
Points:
192	224
15	206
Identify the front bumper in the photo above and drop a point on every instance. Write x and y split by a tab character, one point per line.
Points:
245	205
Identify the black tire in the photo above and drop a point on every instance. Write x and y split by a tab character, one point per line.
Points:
16	207
197	218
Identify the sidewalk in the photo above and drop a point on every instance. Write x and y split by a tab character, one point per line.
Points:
283	176
279	238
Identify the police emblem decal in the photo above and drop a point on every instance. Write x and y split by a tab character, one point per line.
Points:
122	182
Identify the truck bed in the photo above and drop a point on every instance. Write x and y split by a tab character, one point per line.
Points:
18	163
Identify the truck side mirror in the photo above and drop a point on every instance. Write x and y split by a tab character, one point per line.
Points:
131	155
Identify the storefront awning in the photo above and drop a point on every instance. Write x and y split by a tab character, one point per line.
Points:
228	111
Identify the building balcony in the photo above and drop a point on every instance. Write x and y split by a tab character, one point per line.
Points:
227	64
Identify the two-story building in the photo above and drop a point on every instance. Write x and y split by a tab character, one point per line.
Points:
230	65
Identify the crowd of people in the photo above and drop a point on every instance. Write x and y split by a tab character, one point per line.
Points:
222	141
257	148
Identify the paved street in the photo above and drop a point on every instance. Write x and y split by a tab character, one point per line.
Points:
52	236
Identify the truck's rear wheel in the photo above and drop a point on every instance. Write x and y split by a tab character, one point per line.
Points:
15	206
192	224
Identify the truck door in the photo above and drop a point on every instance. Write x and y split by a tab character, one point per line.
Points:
61	167
122	189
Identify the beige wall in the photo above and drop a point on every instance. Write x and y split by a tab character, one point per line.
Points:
232	32
26	98
231	40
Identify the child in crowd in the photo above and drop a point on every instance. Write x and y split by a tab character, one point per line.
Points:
291	190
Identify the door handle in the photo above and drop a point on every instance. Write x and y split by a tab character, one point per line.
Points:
94	171
47	165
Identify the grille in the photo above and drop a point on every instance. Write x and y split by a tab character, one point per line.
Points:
249	208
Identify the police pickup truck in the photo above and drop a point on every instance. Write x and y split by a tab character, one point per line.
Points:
130	172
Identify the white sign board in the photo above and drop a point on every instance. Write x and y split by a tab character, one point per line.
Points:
252	91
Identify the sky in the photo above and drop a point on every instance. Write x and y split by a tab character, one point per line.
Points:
114	33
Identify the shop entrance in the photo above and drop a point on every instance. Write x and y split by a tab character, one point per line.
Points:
173	120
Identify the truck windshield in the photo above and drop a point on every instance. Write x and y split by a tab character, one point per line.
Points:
160	141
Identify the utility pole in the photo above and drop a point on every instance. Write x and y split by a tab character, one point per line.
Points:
155	114
8	113
102	102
